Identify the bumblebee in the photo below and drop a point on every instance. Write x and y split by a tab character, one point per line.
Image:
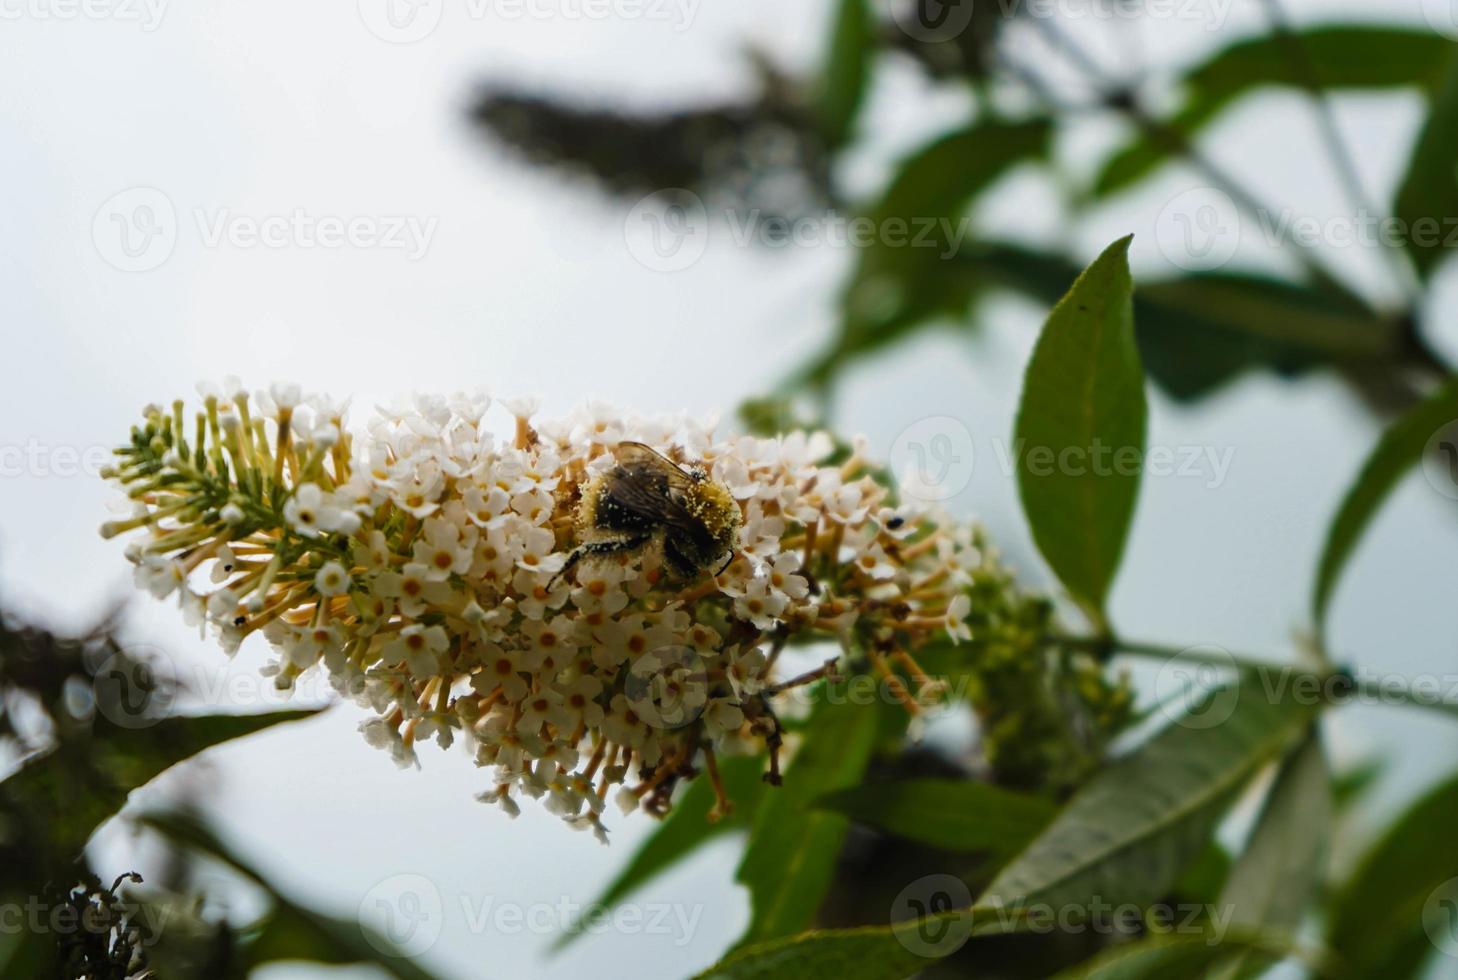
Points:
648	500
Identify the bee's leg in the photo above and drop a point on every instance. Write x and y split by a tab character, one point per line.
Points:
613	547
727	562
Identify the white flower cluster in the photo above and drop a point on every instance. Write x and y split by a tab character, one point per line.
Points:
424	563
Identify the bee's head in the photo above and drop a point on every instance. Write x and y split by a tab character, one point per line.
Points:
713	504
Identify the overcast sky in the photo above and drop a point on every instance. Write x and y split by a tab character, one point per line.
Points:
469	270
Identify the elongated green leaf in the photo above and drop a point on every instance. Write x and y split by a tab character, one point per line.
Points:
1273	882
790	859
1201	331
291	931
1376	921
1175	956
1342	57
1427	200
1400	448
869	953
1130	832
77	798
1080	430
687	828
954	815
847	71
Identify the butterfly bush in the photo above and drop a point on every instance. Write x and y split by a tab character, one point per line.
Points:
421	564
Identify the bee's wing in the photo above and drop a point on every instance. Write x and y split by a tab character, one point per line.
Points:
632	454
631	489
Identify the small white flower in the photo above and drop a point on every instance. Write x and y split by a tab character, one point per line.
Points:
332	579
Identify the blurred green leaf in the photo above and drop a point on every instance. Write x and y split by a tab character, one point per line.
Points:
793	847
959	815
1084	389
1376	921
1399	449
1170	957
1128	834
1274	880
868	953
847	70
1202	331
290	931
1427	199
79	798
686	829
1342	57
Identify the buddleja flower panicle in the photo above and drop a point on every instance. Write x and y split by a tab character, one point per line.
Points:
419	564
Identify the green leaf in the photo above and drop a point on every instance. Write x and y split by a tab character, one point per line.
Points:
79	798
793	847
1427	200
685	829
290	931
1342	57
1273	882
1376	921
1171	957
1127	835
1084	394
846	72
869	953
1399	449
951	814
1199	332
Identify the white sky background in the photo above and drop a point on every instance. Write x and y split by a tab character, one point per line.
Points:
526	287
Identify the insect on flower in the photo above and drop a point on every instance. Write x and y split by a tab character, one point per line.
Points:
648	500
